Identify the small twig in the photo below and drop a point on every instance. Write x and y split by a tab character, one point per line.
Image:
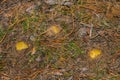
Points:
33	75
3	1
88	25
116	55
91	29
17	21
3	74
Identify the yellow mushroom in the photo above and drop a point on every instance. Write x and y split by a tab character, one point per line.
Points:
21	45
94	53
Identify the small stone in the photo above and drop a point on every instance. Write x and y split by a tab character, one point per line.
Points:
82	32
38	59
84	70
67	3
51	2
32	38
30	9
60	2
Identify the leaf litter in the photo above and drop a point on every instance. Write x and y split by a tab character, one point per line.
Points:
60	38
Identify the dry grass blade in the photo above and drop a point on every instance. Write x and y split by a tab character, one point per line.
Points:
11	26
3	1
58	38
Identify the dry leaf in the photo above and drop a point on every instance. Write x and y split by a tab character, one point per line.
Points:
33	50
62	59
94	53
53	30
21	45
